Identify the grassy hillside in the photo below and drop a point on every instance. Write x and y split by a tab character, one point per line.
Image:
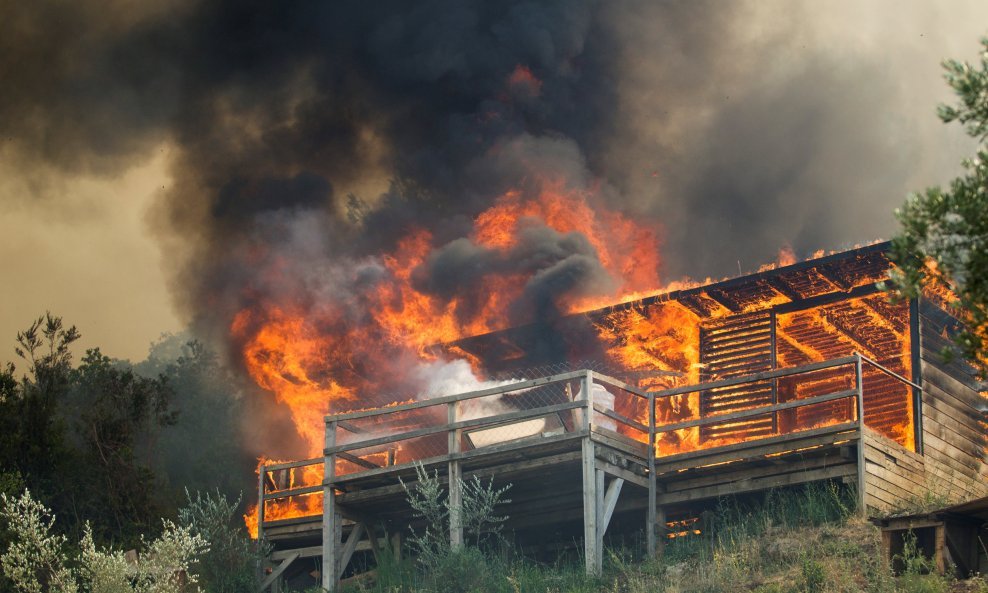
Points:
806	539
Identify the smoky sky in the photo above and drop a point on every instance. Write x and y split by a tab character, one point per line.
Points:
303	134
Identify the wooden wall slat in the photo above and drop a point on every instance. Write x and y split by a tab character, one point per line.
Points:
948	404
902	490
947	454
908	480
898	464
962	391
734	347
963	434
893	474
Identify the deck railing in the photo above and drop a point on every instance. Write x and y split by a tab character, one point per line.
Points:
458	427
514	415
482	422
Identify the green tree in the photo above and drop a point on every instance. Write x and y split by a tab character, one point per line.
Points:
944	237
116	418
33	447
10	476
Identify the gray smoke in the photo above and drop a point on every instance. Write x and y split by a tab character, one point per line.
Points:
740	126
555	265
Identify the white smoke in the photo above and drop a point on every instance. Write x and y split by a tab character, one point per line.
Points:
450	377
445	377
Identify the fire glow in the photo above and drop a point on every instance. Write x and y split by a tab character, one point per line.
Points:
369	350
327	361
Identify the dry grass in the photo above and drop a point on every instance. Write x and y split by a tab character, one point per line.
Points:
803	540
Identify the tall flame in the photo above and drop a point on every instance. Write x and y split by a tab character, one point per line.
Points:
325	359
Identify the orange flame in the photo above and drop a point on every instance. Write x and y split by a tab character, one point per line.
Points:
282	357
325	360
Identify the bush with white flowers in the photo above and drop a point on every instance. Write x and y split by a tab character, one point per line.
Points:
39	560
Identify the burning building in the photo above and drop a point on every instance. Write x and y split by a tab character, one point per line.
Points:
361	198
636	413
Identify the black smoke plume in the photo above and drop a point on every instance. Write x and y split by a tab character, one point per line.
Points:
307	138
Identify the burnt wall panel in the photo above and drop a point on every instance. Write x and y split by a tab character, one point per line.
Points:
870	325
735	347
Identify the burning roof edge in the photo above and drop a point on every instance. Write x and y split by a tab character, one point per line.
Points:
727	286
731	284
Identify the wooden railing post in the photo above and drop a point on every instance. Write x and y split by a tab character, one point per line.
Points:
329	513
859	387
591	549
651	517
261	474
455	479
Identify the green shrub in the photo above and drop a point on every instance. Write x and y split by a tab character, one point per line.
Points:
230	565
465	568
769	588
40	560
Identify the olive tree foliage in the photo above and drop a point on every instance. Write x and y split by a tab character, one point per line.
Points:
115	419
944	236
40	560
229	564
430	501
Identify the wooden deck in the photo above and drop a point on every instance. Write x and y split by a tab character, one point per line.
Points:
576	466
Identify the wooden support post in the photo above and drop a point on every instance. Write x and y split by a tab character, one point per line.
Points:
272	579
338	538
917	373
599	491
455	480
396	545
609	504
349	547
773	365
261	471
261	474
939	547
590	550
859	386
331	520
660	517
375	545
887	545
650	512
